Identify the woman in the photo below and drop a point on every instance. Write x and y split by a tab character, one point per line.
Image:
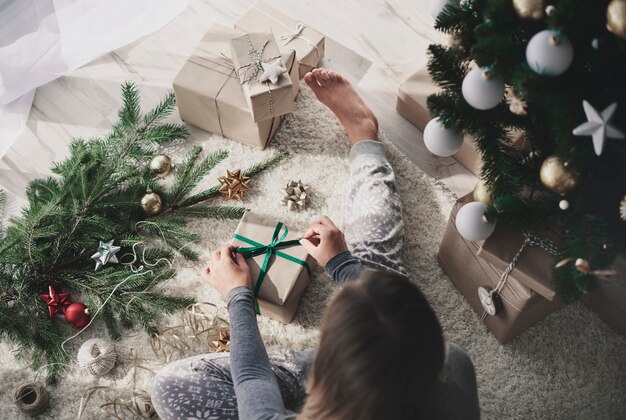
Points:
381	353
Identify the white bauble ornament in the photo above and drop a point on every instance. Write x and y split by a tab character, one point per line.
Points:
436	6
441	141
481	90
564	205
549	54
471	222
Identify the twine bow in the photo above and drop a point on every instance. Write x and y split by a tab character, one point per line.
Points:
287	37
250	71
530	239
277	242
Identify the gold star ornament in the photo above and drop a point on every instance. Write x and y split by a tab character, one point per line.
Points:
234	185
222	344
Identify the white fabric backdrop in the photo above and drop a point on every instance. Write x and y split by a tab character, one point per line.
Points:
41	40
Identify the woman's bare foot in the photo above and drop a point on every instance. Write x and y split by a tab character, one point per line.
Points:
334	91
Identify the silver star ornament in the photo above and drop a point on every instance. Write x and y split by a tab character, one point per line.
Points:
599	126
106	254
272	72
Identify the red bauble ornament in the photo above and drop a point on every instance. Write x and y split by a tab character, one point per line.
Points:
57	302
77	314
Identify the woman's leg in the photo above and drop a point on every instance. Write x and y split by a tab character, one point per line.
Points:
201	387
372	209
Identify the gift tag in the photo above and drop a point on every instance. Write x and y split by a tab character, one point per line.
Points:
487	299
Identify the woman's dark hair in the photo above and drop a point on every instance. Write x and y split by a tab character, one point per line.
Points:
380	353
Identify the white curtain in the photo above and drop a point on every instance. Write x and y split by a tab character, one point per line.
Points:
41	40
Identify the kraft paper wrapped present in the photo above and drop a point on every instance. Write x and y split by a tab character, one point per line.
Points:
520	307
411	104
279	265
249	52
534	267
291	35
209	97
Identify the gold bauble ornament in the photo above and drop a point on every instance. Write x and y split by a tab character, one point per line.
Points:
151	203
482	193
161	165
529	9
556	176
616	18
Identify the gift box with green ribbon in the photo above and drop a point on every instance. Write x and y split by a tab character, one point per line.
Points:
280	266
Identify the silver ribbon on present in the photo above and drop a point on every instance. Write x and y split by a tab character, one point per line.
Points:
296	196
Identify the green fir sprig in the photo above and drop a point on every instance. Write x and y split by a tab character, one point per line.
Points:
94	196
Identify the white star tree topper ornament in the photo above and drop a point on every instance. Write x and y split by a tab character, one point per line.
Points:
272	72
106	253
599	126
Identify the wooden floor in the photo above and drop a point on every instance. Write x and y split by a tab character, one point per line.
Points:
376	44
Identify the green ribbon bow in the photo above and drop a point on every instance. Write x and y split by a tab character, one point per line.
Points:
270	249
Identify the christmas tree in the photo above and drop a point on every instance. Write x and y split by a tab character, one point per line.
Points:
104	230
540	87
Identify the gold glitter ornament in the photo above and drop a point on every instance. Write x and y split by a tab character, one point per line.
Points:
482	193
161	166
616	18
556	176
529	9
151	203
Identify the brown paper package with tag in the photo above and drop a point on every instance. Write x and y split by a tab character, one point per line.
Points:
285	281
308	43
520	305
209	97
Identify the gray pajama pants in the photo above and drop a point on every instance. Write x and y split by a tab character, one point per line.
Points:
201	387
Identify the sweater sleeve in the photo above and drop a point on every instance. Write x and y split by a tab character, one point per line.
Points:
344	267
256	388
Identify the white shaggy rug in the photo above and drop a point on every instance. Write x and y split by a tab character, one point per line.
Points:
570	366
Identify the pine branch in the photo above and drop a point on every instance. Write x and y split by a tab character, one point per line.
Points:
273	160
211	212
190	173
447	67
162	110
130	113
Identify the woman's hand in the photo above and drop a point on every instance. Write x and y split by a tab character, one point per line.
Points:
323	240
227	270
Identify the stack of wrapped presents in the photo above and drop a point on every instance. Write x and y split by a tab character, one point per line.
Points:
240	83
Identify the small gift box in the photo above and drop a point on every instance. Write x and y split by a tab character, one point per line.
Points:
411	104
209	97
517	306
279	265
258	66
306	41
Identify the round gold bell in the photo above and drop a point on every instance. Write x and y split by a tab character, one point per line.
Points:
555	176
151	203
482	193
161	165
616	18
529	9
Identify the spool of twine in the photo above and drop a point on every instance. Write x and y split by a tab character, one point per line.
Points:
98	356
31	398
142	404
